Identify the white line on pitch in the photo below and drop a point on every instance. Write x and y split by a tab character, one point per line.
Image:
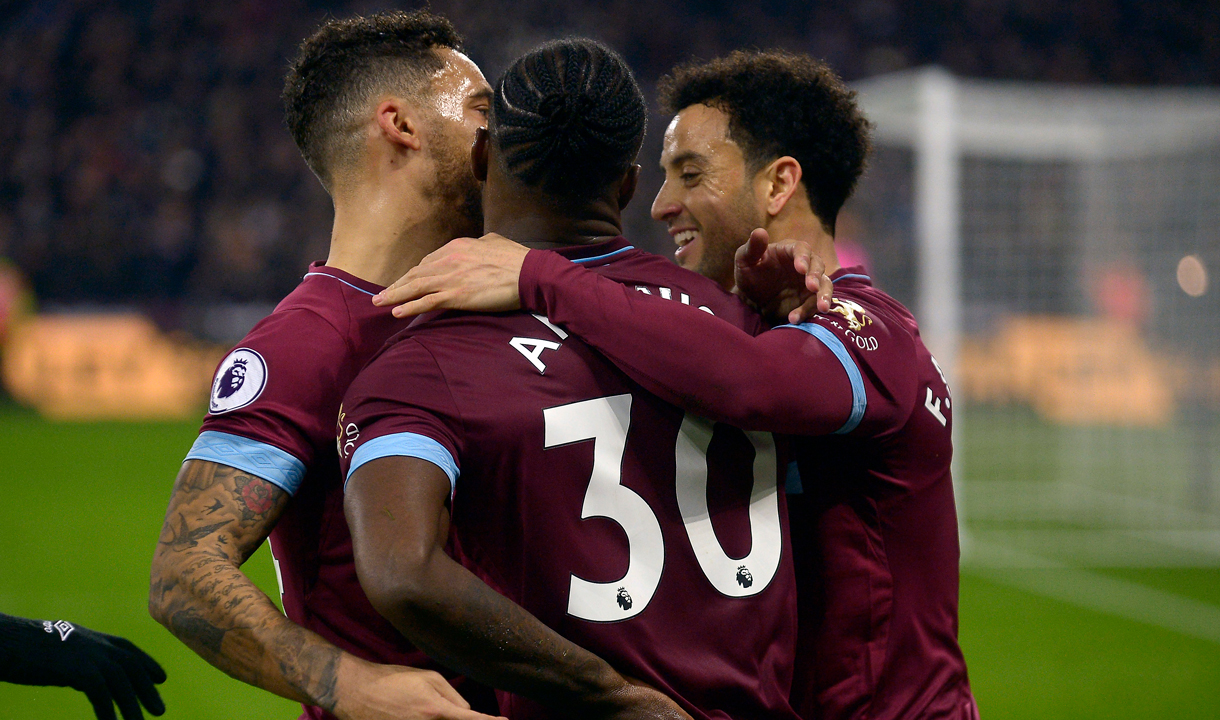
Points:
1094	591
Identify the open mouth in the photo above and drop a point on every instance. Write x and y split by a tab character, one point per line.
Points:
683	240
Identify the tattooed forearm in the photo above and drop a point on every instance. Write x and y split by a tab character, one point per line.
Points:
314	668
189	623
217	517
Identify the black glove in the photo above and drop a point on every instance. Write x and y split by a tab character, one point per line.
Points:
106	668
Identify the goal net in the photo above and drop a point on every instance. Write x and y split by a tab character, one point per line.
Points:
1060	246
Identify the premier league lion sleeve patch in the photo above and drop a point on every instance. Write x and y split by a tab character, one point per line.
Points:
239	381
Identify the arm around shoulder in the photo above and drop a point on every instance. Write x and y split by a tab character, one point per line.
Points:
779	381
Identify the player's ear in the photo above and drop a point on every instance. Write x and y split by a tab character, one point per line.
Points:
478	154
783	176
398	123
626	190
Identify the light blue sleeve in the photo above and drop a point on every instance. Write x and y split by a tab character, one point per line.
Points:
406	444
859	399
257	458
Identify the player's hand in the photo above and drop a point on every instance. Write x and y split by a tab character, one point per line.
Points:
368	691
107	668
466	274
784	281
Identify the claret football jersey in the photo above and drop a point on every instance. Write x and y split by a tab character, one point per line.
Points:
878	558
653	538
872	510
272	414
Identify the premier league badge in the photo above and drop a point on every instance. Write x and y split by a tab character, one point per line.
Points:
744	578
239	381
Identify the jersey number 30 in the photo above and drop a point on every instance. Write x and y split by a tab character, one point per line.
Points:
606	421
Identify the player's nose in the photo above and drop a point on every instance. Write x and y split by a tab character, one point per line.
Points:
665	206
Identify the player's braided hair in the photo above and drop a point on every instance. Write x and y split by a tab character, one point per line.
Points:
778	104
343	64
568	118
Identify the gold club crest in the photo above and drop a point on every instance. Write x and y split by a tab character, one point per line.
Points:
856	319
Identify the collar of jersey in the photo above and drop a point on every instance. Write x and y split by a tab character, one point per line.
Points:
364	286
856	273
603	253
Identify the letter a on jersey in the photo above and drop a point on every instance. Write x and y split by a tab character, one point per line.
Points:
532	349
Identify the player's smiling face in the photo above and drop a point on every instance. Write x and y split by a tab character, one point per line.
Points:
708	199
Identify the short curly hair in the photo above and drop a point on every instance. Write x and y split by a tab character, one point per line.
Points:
344	63
781	103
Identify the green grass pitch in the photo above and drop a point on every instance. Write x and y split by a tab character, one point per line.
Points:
83	504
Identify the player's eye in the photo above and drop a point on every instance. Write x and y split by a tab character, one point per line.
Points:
690	177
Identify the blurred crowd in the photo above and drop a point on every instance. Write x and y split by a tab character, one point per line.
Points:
143	159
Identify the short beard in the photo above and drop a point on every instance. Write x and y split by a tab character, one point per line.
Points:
718	260
717	265
458	195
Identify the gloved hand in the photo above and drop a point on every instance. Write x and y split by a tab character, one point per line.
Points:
108	669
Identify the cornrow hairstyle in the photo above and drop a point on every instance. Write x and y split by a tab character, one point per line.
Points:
343	64
569	118
778	104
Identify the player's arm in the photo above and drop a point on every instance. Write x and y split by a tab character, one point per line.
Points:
784	280
787	380
217	517
398	513
784	380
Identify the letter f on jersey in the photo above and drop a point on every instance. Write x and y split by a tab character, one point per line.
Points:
532	349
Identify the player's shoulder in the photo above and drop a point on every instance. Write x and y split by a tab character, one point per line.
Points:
636	265
656	275
458	339
866	328
869	319
293	328
860	289
310	329
329	309
415	351
281	350
337	298
409	371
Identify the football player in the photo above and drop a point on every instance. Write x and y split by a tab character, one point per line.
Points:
600	527
775	141
384	109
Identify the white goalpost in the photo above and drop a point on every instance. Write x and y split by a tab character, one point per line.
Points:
1060	246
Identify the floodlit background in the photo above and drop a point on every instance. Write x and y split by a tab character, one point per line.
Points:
1045	194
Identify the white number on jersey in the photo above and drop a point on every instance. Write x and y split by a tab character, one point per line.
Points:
606	421
751	574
